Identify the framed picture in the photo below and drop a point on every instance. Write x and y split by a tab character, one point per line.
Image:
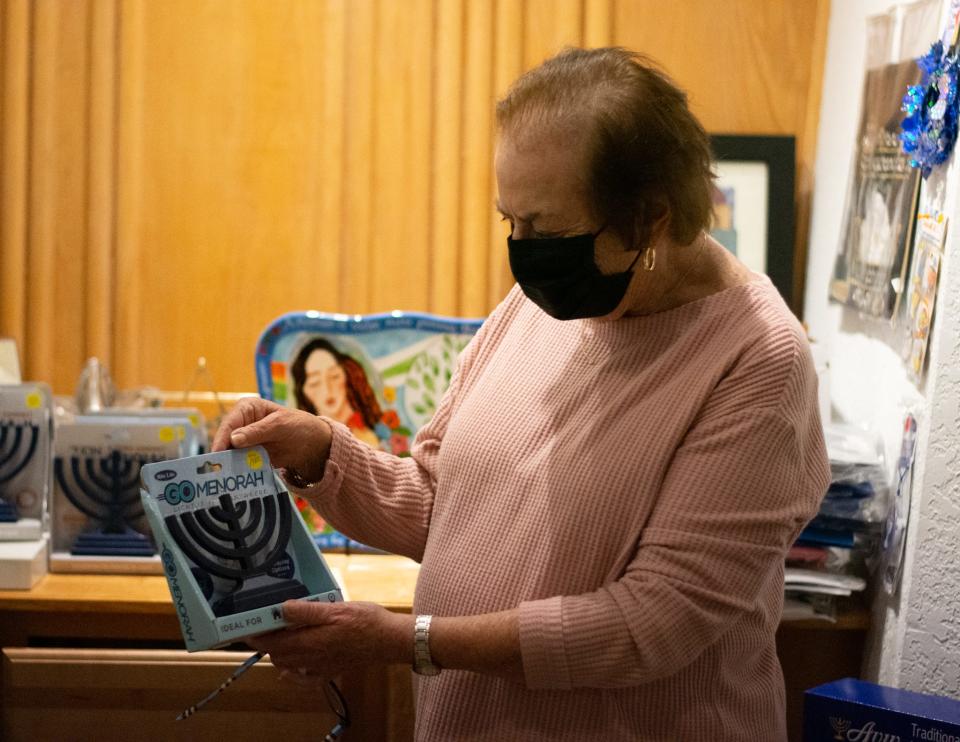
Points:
753	203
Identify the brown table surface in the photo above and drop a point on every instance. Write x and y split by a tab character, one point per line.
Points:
388	580
385	579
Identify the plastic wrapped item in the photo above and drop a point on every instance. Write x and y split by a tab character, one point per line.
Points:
856	455
827	558
798	605
859	492
895	528
859	514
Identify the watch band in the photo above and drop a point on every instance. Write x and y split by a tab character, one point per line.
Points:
292	477
422	662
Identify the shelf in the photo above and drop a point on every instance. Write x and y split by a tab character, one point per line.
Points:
387	580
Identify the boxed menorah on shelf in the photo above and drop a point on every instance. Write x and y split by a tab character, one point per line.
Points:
25	436
232	547
25	440
196	429
97	520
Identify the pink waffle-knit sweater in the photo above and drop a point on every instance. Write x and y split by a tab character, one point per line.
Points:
633	487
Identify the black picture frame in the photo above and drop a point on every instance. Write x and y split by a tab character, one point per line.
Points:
778	153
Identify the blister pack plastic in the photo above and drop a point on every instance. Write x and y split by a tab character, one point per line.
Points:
25	440
232	546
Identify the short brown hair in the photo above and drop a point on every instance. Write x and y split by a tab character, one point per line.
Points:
647	147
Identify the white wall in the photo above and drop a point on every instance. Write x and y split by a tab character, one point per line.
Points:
915	636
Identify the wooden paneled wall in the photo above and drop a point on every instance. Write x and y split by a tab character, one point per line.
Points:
176	174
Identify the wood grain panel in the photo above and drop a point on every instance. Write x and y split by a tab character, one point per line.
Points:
128	296
475	237
327	176
444	281
49	691
229	135
101	146
55	272
550	25
358	177
177	174
399	248
597	22
14	148
732	61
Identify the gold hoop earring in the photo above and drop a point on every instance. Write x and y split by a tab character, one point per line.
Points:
649	258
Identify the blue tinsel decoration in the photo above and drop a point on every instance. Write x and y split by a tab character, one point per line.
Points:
930	128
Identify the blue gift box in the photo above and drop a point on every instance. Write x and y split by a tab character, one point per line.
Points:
857	711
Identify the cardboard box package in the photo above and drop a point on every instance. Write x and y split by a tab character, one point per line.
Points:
232	545
858	711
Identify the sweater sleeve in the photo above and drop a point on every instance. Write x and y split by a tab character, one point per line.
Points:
383	500
734	497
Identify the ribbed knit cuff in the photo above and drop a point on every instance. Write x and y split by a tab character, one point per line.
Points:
338	462
541	645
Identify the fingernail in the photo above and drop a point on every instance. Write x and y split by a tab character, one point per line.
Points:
238	438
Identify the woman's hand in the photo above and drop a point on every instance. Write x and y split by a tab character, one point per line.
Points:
294	440
328	639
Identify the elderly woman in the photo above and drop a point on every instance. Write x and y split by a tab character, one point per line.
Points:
602	503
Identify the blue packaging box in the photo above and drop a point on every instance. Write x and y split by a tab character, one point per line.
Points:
858	711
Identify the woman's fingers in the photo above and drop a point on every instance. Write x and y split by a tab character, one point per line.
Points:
221	439
246	412
259	433
309	612
293	439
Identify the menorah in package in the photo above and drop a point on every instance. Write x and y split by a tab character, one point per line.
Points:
97	520
25	438
232	546
25	435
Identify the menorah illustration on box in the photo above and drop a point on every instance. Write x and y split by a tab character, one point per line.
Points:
231	546
25	436
98	523
382	375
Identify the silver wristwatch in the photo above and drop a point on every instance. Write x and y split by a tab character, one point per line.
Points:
422	664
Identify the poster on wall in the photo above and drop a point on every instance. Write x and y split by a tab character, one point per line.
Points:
870	271
740	209
922	286
753	197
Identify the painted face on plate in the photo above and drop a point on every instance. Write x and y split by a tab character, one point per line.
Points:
326	385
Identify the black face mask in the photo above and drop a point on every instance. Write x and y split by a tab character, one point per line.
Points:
561	276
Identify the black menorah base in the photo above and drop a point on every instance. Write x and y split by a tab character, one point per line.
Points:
8	512
129	543
251	598
16	527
